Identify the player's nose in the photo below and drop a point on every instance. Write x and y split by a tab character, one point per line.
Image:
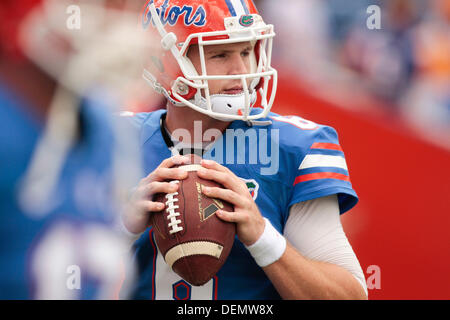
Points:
238	65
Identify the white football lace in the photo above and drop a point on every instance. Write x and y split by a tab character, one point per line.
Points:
173	214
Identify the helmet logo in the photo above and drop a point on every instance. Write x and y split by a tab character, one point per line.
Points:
169	14
246	20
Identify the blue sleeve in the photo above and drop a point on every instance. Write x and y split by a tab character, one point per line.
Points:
322	170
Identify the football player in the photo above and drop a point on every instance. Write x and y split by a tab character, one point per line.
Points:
61	172
286	176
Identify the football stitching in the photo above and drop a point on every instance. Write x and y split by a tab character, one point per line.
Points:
173	214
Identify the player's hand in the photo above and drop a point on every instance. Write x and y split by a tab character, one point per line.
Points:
250	223
136	216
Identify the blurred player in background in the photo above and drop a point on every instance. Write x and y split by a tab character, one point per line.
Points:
64	71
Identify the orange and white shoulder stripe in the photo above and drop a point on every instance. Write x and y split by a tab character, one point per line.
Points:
323	165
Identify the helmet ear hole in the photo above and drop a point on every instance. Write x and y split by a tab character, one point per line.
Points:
189	71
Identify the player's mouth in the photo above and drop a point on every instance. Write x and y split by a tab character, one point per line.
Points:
234	90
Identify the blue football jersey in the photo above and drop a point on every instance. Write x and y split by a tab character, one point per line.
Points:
289	161
66	249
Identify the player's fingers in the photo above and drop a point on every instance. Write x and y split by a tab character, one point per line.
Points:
210	164
223	194
228	216
225	178
218	176
150	206
158	187
238	184
173	161
163	174
167	163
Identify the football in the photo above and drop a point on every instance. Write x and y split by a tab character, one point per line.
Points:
194	242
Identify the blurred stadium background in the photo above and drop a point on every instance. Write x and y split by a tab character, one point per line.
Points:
387	93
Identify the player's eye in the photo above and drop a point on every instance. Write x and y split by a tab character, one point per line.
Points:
219	56
245	53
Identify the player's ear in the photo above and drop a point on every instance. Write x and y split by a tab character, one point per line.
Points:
193	49
192	60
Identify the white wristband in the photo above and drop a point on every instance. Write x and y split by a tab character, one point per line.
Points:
269	247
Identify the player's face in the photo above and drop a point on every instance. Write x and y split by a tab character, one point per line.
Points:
224	59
